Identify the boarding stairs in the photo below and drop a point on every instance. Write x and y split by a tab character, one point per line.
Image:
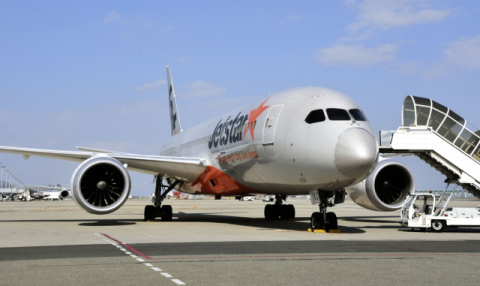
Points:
439	137
443	200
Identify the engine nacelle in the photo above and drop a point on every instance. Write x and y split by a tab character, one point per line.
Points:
385	189
63	194
100	185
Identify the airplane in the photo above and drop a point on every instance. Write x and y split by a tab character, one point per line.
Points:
52	195
289	143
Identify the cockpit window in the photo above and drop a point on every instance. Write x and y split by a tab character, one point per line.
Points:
336	114
315	116
357	114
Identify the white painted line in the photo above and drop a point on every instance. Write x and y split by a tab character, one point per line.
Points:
141	260
123	249
134	256
166	275
178	282
148	264
156	269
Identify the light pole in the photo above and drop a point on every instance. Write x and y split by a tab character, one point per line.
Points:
8	177
1	176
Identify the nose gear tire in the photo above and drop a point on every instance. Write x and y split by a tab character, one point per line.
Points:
316	221
332	219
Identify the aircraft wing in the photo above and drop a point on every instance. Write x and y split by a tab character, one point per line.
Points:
182	168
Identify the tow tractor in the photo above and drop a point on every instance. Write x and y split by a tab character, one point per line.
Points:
425	211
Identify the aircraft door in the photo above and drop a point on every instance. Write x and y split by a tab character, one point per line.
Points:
268	135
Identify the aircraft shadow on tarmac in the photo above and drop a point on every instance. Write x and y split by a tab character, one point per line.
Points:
299	224
107	223
372	219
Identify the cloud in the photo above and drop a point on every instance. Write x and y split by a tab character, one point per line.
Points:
388	14
410	68
113	17
181	59
464	53
203	89
436	71
460	56
151	86
342	55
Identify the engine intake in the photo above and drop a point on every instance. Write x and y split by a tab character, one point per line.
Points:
100	185
64	194
385	189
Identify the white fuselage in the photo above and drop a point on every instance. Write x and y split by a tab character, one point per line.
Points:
285	155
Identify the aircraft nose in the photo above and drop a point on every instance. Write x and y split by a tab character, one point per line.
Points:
355	153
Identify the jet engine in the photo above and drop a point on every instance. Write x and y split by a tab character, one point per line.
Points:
100	185
63	194
385	189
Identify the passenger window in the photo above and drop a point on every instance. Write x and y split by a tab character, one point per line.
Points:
315	116
357	114
336	114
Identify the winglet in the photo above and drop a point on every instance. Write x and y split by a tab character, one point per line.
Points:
176	126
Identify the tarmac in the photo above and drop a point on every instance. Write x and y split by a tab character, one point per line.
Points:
227	242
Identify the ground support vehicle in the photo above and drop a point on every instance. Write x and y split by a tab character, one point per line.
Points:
268	199
425	211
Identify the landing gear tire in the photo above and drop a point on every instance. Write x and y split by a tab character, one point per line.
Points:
149	213
284	212
166	212
267	212
332	219
272	212
291	211
438	225
316	221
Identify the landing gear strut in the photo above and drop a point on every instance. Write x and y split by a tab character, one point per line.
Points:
279	210
323	219
157	210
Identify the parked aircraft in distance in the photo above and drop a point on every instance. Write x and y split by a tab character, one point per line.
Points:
51	195
289	143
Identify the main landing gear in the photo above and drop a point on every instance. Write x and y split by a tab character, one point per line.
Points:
323	219
157	210
278	210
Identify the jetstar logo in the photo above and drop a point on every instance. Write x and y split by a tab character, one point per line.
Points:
233	130
254	114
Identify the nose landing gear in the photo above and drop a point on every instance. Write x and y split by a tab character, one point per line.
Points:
279	210
157	210
323	219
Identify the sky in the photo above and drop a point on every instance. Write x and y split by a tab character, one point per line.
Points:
92	73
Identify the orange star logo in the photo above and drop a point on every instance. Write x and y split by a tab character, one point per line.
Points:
254	114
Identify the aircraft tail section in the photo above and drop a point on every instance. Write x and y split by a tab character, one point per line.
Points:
176	126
